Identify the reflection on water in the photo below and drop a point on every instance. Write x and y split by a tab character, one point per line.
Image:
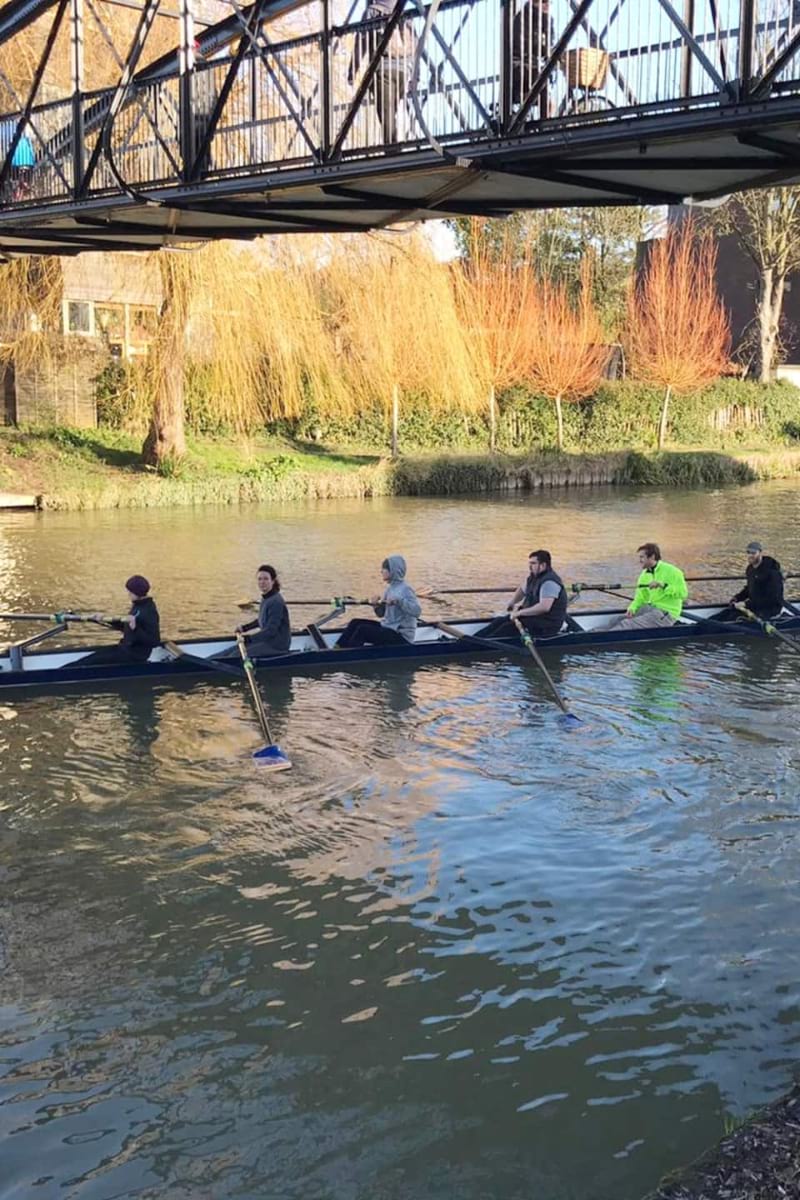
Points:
457	950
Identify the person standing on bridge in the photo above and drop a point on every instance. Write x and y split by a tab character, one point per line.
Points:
390	81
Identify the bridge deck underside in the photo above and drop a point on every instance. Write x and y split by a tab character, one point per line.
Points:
637	165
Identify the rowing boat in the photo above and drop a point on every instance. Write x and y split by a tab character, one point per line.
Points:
23	668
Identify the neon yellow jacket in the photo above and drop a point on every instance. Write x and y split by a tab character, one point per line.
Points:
670	597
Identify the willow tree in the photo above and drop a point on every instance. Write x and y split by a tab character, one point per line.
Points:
166	438
30	308
250	318
494	290
398	327
566	354
678	329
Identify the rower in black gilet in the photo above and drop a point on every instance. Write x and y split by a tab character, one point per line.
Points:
542	584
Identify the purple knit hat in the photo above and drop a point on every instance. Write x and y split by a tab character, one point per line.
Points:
138	585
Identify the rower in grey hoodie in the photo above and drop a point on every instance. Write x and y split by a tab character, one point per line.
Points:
399	607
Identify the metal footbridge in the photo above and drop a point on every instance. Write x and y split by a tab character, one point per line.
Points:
403	110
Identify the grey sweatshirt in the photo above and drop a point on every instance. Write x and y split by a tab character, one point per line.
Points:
400	607
273	621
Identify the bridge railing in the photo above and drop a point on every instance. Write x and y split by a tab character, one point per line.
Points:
486	70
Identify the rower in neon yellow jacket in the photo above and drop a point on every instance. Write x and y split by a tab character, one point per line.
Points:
660	593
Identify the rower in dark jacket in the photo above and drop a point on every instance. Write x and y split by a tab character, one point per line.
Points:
141	628
539	603
271	633
763	589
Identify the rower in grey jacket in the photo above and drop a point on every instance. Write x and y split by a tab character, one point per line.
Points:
271	632
398	609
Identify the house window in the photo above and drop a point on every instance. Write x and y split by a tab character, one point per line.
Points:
109	323
142	329
79	316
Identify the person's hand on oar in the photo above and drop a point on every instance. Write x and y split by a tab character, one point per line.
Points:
769	629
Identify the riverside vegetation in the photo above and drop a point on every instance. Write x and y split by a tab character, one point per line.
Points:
286	372
731	432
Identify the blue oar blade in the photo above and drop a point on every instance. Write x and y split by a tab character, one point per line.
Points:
570	721
271	758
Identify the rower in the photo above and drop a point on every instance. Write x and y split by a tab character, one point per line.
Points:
763	589
271	632
397	607
141	628
660	592
540	603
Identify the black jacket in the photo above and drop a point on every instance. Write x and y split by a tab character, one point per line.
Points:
146	634
764	588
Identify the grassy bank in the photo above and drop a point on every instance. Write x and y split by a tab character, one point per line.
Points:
83	469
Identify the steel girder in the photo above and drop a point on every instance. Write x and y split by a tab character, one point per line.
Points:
109	140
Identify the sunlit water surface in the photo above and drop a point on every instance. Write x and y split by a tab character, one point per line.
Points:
456	951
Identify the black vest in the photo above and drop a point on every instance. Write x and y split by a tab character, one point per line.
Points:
552	621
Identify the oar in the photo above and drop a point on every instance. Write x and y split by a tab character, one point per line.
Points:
485	643
270	756
768	628
341	602
499	648
216	664
58	617
605	587
527	642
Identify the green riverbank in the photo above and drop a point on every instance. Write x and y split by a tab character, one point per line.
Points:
92	469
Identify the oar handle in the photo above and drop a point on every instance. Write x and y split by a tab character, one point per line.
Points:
60	618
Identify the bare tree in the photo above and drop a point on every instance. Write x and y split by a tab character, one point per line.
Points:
767	226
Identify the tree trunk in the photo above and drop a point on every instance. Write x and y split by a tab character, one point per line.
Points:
395	421
166	439
769	308
492	420
560	421
662	425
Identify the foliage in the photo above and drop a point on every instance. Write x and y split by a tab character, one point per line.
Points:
697	469
449	476
558	241
30	309
494	292
396	325
678	331
566	355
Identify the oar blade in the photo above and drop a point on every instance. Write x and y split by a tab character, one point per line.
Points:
271	758
569	721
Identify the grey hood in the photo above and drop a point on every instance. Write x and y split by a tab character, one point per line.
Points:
397	567
400	607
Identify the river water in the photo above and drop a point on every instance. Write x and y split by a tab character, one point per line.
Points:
456	951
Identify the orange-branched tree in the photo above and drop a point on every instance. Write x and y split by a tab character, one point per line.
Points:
678	329
494	286
566	349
